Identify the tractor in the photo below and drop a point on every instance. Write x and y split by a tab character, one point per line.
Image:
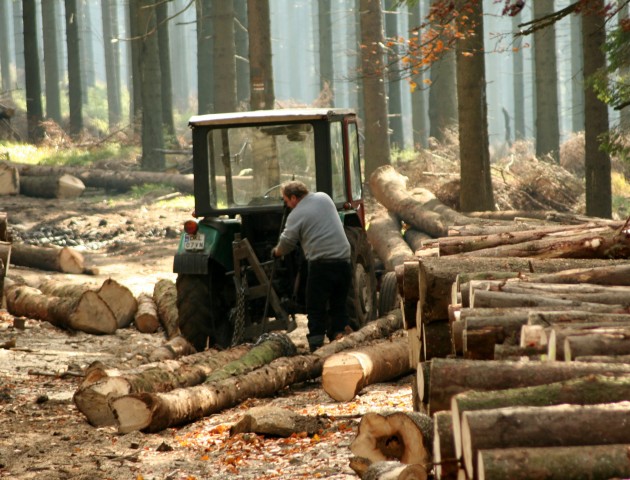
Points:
230	289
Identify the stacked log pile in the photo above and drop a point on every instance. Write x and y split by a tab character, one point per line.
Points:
515	325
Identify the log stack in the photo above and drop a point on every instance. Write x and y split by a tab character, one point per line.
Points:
516	322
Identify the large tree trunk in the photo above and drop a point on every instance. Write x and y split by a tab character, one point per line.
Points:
567	463
566	425
445	462
155	412
602	341
101	384
165	298
449	377
385	236
87	313
346	374
404	436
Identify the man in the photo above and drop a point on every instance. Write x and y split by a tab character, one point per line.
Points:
315	224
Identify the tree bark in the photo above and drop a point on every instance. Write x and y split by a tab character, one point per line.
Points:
9	179
165	298
87	313
449	377
155	412
604	341
445	463
55	259
565	425
174	348
345	374
101	384
385	236
403	436
488	299
566	463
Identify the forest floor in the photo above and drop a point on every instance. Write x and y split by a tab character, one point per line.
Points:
44	436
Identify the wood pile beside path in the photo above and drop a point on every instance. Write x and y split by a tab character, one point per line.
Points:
519	331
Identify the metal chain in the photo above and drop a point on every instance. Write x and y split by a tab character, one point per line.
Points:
239	313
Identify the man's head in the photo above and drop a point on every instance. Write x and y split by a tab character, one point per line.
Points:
293	192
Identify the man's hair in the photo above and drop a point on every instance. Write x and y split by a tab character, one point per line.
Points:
294	187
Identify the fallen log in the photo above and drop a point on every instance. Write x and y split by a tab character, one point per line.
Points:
493	299
448	377
165	298
55	186
603	341
155	412
403	436
146	318
608	294
117	297
546	215
387	470
345	374
445	462
101	384
604	358
587	390
415	238
87	313
277	422
565	425
385	235
54	259
555	463
174	348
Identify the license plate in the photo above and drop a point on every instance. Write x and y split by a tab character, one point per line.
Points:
194	242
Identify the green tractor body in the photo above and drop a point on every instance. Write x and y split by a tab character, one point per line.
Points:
229	288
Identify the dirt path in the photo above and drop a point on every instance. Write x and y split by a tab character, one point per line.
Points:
44	436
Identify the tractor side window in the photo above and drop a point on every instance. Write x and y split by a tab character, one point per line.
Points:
355	161
336	153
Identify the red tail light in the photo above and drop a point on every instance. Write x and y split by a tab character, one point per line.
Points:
191	227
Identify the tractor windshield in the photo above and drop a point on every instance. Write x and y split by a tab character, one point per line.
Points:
247	164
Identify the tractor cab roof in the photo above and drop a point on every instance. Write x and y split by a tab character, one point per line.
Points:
270	116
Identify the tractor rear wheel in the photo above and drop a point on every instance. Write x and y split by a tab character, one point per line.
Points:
204	309
361	302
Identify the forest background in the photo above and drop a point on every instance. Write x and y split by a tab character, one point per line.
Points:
115	73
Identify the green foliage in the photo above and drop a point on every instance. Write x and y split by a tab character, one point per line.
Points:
72	156
403	156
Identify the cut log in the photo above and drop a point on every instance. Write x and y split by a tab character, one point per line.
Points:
55	186
517	353
415	238
436	340
345	374
385	235
449	377
605	341
604	358
100	384
9	180
608	294
112	179
613	274
491	299
546	215
445	462
54	259
587	390
87	313
565	425
118	297
155	412
392	470
174	348
277	422
165	298
403	436
555	463
146	318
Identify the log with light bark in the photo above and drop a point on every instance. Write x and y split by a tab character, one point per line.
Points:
493	299
609	243
87	313
345	374
111	179
172	349
566	425
277	422
387	470
601	341
146	318
100	383
165	298
518	353
607	294
546	215
403	436
587	390
118	297
385	235
9	179
55	186
415	238
555	463
613	274
54	259
448	377
603	358
445	462
155	412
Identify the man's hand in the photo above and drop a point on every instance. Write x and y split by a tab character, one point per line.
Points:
274	254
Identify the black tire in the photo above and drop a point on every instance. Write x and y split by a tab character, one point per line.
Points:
204	312
388	297
361	302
